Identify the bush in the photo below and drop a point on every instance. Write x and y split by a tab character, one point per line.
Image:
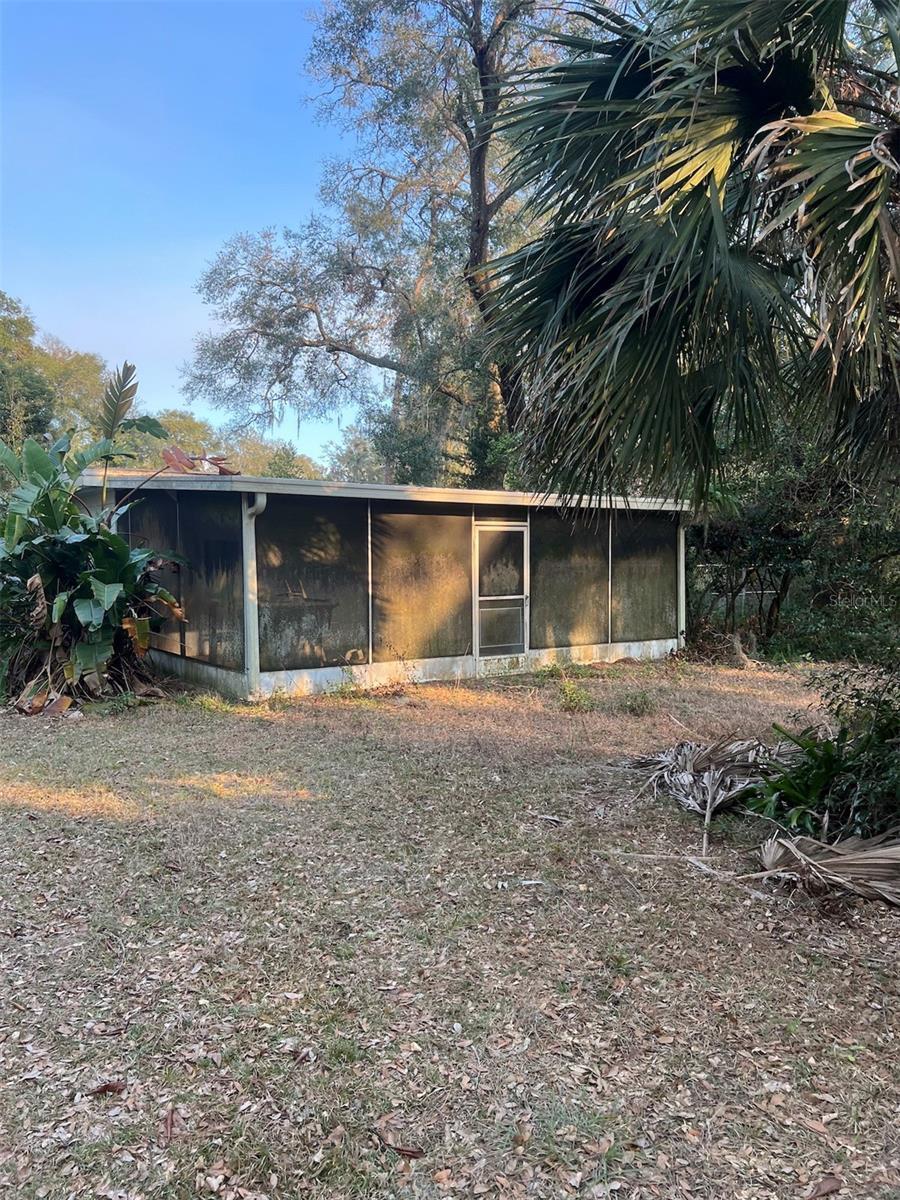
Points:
76	599
573	698
848	783
867	632
638	704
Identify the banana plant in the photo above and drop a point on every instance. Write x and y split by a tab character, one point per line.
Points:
78	602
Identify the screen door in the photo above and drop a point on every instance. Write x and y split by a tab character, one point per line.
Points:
502	589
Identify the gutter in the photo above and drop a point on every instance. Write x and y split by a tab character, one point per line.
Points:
249	513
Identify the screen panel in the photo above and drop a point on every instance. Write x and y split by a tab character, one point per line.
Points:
569	579
312	572
501	562
421	581
644	576
501	512
502	627
153	523
212	587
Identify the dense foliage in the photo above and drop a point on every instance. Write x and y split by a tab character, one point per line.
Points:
718	184
76	599
847	783
800	553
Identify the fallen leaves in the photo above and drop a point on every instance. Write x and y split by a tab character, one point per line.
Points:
307	1003
110	1087
828	1185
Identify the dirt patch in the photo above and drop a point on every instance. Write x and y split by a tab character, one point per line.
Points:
429	944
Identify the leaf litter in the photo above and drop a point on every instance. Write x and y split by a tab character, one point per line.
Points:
281	931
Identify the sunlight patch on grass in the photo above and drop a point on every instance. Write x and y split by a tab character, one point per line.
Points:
73	801
234	785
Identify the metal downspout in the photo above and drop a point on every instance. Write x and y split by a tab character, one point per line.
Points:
249	513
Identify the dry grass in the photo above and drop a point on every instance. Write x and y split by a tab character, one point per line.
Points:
426	945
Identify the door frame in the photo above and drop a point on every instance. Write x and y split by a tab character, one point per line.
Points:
523	527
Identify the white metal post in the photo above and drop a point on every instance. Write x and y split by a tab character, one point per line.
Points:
526	584
369	570
475	612
249	513
609	578
682	584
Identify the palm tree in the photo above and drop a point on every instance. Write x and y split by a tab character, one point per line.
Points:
717	189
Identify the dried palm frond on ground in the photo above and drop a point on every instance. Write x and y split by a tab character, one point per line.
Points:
706	779
868	867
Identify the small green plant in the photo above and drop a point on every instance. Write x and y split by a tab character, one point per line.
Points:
580	670
550	672
575	699
210	702
638	703
113	707
347	689
555	671
634	703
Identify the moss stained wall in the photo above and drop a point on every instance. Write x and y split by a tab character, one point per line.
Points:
312	572
421	581
569	579
204	529
644	576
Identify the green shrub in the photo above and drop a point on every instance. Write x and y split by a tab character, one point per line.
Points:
77	600
638	704
849	783
834	634
575	699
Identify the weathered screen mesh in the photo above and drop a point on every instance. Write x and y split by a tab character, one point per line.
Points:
153	522
644	576
421	581
569	579
501	562
212	589
210	583
312	571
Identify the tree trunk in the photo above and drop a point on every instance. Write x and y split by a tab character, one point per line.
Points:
504	375
774	614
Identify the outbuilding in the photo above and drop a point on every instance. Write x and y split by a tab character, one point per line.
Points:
298	585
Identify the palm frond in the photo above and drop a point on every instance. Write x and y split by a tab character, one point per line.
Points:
867	867
831	178
763	25
711	224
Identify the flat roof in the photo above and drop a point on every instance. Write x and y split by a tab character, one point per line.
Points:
201	481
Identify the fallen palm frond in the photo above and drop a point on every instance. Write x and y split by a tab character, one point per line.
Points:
868	867
708	779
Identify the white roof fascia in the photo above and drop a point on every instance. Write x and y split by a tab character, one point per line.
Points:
202	482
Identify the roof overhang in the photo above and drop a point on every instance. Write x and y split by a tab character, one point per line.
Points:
203	482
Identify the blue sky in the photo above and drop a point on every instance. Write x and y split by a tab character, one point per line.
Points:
136	137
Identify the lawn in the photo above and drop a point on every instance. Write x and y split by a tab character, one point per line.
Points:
430	944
